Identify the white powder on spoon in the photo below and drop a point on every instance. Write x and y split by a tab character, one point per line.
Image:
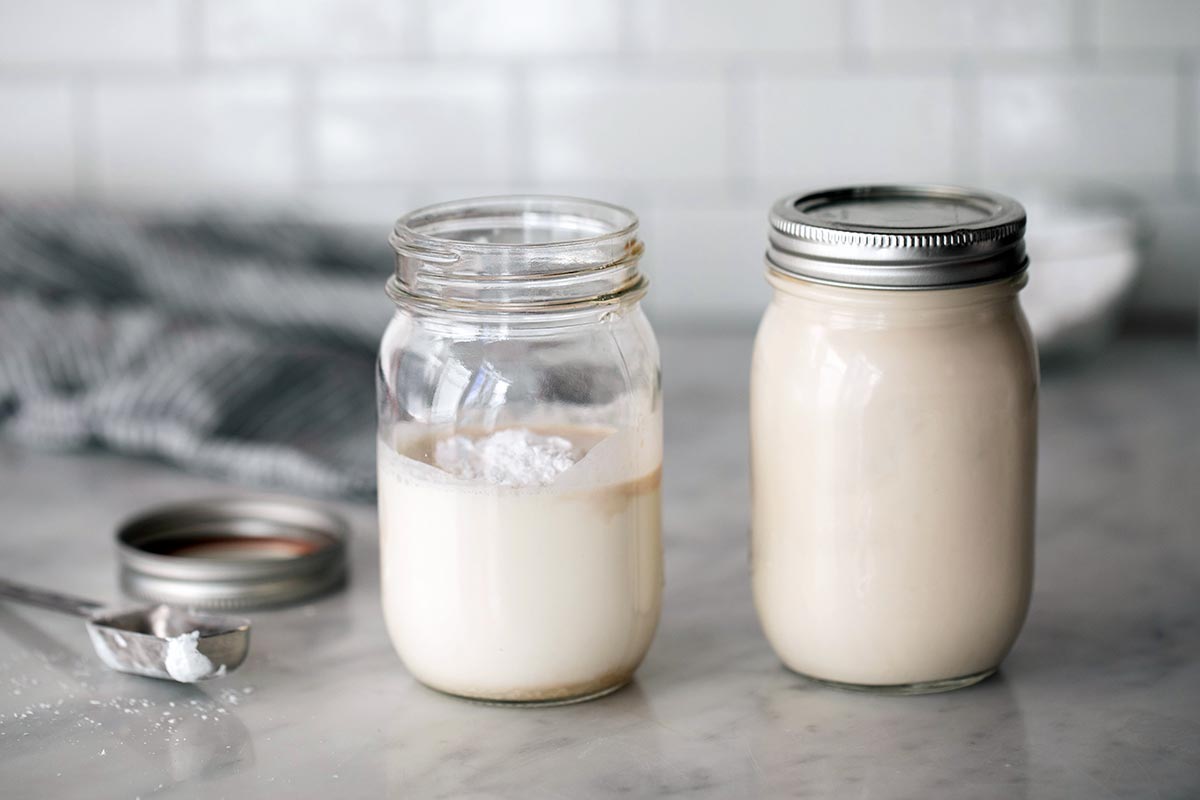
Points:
185	663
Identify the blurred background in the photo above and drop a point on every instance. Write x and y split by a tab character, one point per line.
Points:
695	113
195	195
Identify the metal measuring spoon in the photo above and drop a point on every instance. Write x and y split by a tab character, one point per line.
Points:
155	641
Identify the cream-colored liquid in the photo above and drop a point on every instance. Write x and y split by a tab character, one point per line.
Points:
524	594
893	441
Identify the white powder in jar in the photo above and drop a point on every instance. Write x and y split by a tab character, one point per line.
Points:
185	663
512	457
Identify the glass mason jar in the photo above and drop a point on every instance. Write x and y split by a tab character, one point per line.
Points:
520	450
893	427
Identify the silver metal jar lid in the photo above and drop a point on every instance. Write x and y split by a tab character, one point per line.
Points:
898	236
236	552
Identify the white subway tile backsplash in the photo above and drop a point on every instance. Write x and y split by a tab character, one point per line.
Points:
628	195
621	125
705	261
1147	23
1170	279
36	140
1191	108
1078	125
524	27
962	26
64	32
418	124
209	137
751	26
839	129
695	113
378	205
372	208
249	29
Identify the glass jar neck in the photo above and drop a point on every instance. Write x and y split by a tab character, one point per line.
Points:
521	254
856	305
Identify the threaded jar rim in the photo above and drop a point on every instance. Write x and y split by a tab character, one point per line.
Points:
523	252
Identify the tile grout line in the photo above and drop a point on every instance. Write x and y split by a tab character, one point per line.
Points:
520	106
741	125
192	39
1187	106
965	161
627	29
852	49
83	137
304	120
1084	23
418	32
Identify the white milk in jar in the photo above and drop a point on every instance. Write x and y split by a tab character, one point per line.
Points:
522	584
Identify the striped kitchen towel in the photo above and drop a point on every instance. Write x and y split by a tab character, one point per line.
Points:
236	346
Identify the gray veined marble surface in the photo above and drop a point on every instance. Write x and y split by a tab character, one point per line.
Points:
1100	698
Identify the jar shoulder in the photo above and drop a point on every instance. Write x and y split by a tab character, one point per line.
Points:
982	349
455	372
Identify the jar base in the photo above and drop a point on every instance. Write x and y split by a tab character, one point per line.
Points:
925	687
535	702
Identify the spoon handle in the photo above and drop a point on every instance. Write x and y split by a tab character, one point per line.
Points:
52	600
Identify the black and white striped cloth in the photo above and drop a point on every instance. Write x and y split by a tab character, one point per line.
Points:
233	346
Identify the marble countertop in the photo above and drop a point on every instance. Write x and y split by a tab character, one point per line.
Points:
1100	698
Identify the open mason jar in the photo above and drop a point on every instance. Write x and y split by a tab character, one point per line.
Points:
520	450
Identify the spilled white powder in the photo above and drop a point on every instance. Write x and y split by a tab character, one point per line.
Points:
185	663
511	457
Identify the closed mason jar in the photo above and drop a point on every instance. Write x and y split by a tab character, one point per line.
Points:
520	450
893	426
